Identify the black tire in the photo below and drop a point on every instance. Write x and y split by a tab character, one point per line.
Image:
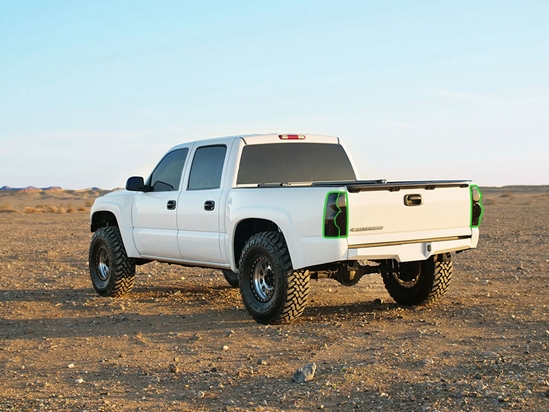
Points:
231	278
271	290
421	282
112	272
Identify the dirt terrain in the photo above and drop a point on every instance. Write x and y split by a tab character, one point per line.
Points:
183	341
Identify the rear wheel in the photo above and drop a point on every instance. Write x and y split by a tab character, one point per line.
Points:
419	282
271	290
112	272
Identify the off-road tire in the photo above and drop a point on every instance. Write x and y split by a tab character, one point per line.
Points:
231	278
271	290
112	272
421	282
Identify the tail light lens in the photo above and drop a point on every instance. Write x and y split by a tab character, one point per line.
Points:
476	206
335	215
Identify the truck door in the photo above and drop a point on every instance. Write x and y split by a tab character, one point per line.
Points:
154	213
199	210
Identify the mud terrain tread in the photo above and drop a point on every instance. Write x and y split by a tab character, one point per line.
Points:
436	275
442	278
292	298
122	268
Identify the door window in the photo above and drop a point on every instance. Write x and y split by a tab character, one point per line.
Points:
207	168
167	175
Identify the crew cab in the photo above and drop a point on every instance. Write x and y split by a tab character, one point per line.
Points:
273	211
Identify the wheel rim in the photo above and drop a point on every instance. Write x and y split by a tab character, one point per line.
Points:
408	275
262	279
103	264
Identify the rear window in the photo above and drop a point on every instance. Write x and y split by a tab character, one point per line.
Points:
294	162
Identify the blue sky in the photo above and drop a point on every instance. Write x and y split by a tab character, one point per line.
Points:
94	92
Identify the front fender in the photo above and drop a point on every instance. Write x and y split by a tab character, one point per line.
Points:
119	204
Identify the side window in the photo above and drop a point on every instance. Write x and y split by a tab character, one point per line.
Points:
207	168
167	175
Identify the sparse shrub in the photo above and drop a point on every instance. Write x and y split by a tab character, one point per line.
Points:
89	202
30	210
82	209
71	209
506	195
61	210
7	209
51	209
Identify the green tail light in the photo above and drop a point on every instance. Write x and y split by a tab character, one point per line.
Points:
335	215
476	206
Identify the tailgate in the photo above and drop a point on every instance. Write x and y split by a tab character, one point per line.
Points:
408	212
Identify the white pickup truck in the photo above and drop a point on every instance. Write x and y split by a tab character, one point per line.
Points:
272	212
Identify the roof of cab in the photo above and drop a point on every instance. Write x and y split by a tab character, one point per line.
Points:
252	139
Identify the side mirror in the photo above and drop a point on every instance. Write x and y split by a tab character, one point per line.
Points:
135	184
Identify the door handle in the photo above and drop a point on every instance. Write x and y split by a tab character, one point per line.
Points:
413	200
209	205
171	204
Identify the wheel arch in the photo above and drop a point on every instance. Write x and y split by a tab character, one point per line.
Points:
103	218
245	229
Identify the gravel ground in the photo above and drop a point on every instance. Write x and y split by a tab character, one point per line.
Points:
183	341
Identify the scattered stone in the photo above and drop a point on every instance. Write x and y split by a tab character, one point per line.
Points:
304	374
229	333
79	380
70	365
378	301
174	368
225	347
261	362
200	394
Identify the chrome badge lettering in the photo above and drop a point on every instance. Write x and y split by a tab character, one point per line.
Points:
366	229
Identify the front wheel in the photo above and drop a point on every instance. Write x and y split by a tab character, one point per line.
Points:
419	282
231	278
271	290
112	272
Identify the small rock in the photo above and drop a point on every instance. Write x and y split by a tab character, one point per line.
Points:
173	368
489	354
261	362
229	333
225	347
200	394
304	374
428	361
79	380
378	301
70	365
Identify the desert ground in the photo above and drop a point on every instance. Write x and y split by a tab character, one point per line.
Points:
182	341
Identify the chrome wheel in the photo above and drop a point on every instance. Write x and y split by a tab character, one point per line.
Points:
102	262
262	279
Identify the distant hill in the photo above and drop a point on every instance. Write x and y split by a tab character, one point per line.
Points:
46	189
515	188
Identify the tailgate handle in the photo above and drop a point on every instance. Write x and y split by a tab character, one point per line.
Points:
413	200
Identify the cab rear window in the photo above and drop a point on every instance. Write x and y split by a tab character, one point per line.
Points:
294	162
